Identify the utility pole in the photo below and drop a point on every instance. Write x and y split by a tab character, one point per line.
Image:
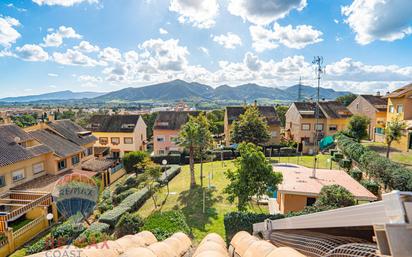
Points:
300	89
318	61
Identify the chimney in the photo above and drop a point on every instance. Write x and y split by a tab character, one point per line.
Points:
255	103
387	93
378	93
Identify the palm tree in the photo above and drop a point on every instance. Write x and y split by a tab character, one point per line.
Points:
188	139
393	132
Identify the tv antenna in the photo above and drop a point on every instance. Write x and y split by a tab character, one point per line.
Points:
300	89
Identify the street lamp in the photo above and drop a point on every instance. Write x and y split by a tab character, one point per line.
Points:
164	162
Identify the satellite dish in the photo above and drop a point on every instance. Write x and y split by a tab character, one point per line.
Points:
75	196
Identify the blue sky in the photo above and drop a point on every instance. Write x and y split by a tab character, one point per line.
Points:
106	45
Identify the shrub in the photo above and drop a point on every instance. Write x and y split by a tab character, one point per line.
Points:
39	246
334	196
243	221
345	164
128	224
401	179
372	186
135	200
90	238
165	224
112	217
337	157
120	197
169	174
130	160
99	227
356	174
105	205
309	210
66	232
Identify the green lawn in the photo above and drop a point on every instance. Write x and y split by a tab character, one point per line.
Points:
308	161
395	155
19	224
190	201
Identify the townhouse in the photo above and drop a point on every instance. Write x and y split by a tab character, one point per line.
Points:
166	130
373	107
120	133
302	124
400	107
232	113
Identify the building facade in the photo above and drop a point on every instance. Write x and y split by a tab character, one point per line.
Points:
373	107
232	113
120	133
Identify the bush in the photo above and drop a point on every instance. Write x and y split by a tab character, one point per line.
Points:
401	179
98	227
39	246
243	221
90	238
120	197
131	159
169	174
66	232
112	217
105	205
337	157
171	158
356	174
129	224
345	164
309	210
165	224
334	196
135	200
372	186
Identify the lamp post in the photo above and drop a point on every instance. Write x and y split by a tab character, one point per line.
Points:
164	162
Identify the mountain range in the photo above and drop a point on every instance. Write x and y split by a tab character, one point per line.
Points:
182	90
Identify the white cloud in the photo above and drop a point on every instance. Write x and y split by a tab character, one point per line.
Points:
8	33
204	50
11	5
336	21
75	58
372	20
264	11
65	3
86	47
162	31
201	14
252	61
56	39
110	54
89	78
52	75
230	40
32	53
297	38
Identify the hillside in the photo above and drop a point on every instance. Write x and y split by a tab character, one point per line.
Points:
61	95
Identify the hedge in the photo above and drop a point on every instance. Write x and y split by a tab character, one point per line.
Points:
169	174
170	158
345	164
372	186
111	217
243	221
165	224
356	174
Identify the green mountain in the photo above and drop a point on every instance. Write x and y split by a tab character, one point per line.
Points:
61	95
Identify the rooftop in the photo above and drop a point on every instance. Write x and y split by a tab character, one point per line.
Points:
269	112
400	91
72	132
377	101
12	151
297	180
328	109
113	123
173	120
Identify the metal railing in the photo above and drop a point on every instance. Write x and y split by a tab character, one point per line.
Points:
117	168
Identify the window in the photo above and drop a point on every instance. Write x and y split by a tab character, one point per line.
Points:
357	106
116	155
333	127
75	159
61	165
391	109
173	139
319	127
160	139
115	140
399	108
161	152
128	140
38	167
89	151
379	131
17	175
310	201
103	140
305	126
128	126
273	134
2	181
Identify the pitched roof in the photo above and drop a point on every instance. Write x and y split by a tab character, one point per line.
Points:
72	132
113	123
60	146
327	109
377	101
400	91
298	180
334	110
11	152
172	120
308	109
269	112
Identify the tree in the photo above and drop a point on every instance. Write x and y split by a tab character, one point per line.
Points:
188	139
346	99
129	224
204	140
132	159
216	121
151	176
334	196
149	119
393	132
253	176
25	120
251	127
281	112
358	127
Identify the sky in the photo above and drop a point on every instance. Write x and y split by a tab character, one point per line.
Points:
107	45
